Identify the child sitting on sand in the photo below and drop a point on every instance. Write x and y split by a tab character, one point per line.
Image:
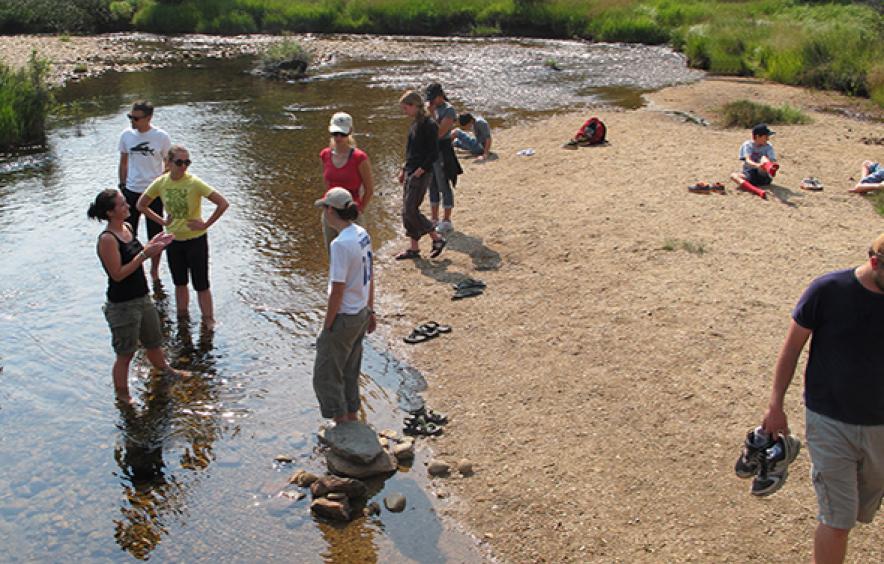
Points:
478	144
872	178
759	162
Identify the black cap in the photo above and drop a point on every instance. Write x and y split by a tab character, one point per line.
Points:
434	90
761	129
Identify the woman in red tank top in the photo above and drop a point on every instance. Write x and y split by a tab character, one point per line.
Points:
345	166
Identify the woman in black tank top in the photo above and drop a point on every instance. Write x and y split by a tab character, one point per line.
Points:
129	310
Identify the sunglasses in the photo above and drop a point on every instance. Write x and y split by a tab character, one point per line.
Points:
339	134
135	118
181	162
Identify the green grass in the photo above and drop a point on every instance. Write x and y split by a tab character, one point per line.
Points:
834	45
743	113
25	100
671	244
288	50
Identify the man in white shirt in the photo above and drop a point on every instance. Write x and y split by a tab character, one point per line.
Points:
143	150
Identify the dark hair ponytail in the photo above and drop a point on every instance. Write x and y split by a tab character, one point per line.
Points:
104	202
350	213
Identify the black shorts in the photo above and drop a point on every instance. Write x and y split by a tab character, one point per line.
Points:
757	178
152	226
190	256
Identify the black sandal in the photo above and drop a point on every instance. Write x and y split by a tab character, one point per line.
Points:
438	245
408	254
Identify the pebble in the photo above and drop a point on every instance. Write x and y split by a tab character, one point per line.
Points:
395	502
373	508
438	468
303	479
465	467
283	458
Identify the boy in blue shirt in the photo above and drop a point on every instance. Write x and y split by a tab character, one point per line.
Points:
759	162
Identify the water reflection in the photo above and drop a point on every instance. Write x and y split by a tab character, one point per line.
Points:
191	456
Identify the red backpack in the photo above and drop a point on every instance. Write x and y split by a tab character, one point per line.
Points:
592	132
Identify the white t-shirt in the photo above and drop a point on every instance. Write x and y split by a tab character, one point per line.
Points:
146	152
350	259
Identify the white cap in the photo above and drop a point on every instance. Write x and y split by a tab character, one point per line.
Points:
341	123
338	198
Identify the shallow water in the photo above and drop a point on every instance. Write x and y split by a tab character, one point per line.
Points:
188	474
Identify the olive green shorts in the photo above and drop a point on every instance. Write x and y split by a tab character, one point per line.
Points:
133	321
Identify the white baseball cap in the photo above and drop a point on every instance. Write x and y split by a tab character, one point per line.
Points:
341	123
338	198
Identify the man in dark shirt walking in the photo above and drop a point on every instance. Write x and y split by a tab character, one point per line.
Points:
844	396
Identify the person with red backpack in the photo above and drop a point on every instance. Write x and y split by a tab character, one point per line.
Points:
592	132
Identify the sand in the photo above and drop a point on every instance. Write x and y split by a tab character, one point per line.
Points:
603	384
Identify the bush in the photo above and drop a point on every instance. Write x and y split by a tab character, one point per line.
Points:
166	18
744	113
288	50
24	103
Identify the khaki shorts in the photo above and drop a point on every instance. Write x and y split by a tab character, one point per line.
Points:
847	469
133	321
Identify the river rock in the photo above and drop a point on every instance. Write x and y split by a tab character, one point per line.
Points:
336	496
303	479
352	488
383	464
330	509
395	502
283	458
438	468
389	434
404	451
373	508
465	467
354	441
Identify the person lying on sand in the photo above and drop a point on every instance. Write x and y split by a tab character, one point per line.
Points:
872	178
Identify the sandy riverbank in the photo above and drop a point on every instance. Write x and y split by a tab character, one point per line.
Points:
602	385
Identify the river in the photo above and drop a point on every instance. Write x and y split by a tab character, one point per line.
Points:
188	473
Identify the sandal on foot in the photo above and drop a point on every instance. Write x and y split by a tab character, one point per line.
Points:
468	283
467	292
408	254
438	245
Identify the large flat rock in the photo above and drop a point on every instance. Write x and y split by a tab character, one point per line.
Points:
383	464
354	441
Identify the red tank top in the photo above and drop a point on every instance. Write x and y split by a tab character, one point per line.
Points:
347	176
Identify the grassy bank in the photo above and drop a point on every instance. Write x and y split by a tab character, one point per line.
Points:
24	103
831	45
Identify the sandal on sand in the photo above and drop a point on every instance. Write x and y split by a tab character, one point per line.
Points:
433	326
408	254
422	333
717	187
812	184
438	245
467	292
425	428
468	283
700	188
424	414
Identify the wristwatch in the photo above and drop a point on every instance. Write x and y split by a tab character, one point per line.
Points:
121	185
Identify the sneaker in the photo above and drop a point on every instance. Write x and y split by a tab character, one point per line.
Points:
750	459
444	227
774	467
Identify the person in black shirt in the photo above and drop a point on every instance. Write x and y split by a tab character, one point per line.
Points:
129	311
416	174
843	311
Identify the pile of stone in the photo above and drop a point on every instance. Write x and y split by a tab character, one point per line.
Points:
354	452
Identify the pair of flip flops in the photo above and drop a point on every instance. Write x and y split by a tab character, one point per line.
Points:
424	422
812	184
468	287
706	188
425	332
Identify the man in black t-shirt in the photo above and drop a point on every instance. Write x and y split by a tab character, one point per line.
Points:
844	396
